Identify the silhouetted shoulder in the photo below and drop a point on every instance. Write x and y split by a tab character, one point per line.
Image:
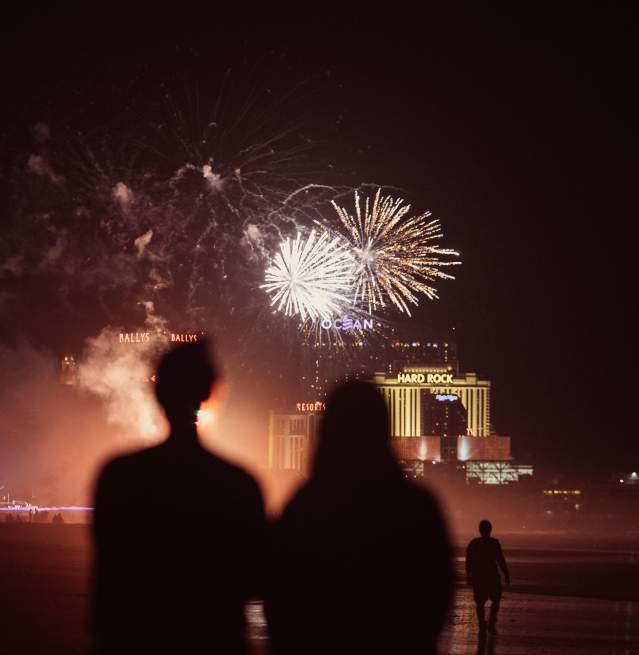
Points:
123	463
178	477
239	477
411	495
423	507
124	469
234	474
165	455
422	495
114	471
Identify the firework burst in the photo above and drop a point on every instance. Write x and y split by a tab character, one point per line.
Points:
395	257
311	277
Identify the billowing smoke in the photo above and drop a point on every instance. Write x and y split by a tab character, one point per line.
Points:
121	377
143	241
39	165
53	438
122	194
59	425
155	220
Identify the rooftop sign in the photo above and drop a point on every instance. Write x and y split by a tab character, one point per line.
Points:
346	323
311	407
425	378
144	337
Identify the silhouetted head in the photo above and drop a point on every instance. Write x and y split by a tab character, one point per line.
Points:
485	528
353	439
183	381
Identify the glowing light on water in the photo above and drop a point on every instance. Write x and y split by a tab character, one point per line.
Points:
311	277
423	451
36	508
396	258
463	449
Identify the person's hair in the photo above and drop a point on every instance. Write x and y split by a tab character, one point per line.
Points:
485	527
353	436
184	379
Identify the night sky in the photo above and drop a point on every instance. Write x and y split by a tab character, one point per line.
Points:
514	130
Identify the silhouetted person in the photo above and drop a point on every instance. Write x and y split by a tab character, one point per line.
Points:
178	585
361	559
484	558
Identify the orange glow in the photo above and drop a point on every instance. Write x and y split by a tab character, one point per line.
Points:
209	413
205	416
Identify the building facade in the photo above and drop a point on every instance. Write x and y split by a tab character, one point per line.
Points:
443	414
291	439
403	392
68	370
497	472
462	448
439	419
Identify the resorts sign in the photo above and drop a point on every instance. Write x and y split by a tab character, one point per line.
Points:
317	406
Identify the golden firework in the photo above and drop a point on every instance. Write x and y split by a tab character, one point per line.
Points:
396	256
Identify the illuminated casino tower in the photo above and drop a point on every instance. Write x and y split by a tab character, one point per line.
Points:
438	415
407	402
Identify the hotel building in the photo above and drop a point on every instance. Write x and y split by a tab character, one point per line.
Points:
407	393
291	438
437	414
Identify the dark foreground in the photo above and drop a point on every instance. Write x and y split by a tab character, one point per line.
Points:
569	595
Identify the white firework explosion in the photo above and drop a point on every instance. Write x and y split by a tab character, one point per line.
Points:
311	277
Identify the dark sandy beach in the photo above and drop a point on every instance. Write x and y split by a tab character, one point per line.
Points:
569	595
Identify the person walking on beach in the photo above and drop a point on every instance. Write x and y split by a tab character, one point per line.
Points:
176	586
484	558
361	559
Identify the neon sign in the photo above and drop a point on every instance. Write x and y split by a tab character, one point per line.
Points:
144	337
184	338
446	396
135	337
425	378
346	323
311	407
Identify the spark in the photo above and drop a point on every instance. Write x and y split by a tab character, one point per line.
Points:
310	277
396	258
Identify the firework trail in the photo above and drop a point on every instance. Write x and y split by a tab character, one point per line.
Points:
396	258
310	277
175	203
179	200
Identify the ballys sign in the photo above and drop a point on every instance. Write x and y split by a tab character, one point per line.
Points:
425	378
143	337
